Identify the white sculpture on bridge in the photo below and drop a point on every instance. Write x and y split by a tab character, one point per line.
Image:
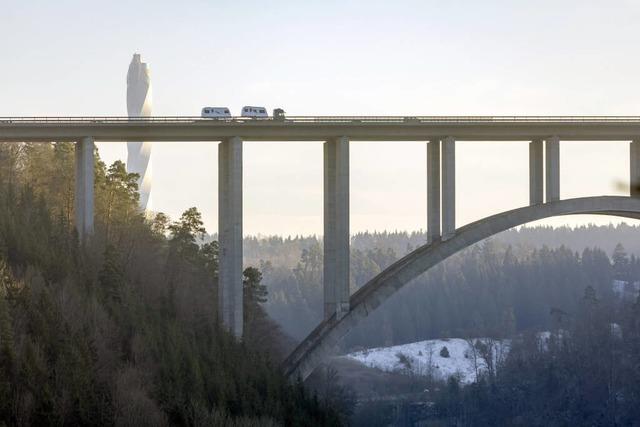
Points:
139	105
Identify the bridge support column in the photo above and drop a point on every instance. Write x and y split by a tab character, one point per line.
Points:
552	165
83	204
536	172
336	227
634	181
448	187
230	234
433	190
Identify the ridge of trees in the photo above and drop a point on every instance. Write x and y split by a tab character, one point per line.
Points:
491	288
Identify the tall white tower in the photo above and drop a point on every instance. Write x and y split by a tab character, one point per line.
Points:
139	105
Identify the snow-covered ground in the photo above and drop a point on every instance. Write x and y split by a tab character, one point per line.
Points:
624	289
464	361
424	358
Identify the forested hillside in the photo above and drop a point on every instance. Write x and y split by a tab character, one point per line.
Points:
503	285
123	328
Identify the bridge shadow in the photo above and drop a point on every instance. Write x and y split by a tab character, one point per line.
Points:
322	341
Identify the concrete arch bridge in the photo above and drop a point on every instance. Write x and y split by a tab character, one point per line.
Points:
343	311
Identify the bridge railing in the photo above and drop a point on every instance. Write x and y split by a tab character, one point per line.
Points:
322	119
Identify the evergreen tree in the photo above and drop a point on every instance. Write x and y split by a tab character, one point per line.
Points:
444	352
620	263
111	277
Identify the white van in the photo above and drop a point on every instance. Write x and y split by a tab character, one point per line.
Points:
216	112
249	111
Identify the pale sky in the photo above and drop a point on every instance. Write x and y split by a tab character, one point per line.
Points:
332	58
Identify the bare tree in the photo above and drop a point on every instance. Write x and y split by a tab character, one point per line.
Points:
473	352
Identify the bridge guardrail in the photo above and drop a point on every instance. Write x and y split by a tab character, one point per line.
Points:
324	119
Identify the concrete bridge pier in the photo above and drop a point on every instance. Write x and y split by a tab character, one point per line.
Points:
536	172
634	178
83	203
336	227
441	189
448	187
433	190
230	292
552	166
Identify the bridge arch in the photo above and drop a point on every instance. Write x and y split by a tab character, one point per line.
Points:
323	339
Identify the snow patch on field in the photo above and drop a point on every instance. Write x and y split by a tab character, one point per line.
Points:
424	358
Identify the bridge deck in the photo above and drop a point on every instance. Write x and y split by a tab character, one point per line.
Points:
306	128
